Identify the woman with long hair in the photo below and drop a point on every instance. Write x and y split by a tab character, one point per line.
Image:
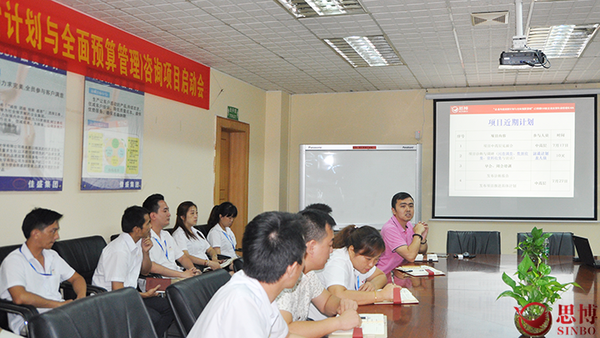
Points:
351	271
220	236
191	240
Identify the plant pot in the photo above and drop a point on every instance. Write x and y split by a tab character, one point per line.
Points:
533	320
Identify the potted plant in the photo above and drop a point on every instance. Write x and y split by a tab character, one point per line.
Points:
534	290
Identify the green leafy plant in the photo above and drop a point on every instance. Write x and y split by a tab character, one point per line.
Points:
535	245
534	283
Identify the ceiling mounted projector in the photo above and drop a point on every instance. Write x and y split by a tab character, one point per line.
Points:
522	59
520	56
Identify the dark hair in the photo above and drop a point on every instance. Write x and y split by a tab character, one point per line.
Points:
320	206
316	227
400	196
40	219
366	240
133	217
151	203
273	241
225	209
182	211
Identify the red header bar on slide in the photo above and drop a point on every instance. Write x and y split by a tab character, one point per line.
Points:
513	108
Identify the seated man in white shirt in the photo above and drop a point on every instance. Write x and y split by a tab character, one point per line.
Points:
125	258
273	249
165	251
32	273
294	303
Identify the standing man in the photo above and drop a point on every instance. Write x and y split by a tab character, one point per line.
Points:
294	303
32	273
125	258
165	250
403	241
273	248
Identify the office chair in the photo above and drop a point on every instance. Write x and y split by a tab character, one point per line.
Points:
190	296
119	313
473	242
82	254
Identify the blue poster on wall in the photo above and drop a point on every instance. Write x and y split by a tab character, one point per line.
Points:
32	125
112	139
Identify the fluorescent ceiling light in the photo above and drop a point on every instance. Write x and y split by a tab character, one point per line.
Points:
564	41
312	8
365	51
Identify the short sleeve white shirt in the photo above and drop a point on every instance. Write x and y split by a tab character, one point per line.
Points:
195	246
241	308
165	250
340	271
120	261
298	299
224	239
20	268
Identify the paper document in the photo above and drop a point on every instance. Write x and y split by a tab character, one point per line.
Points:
430	257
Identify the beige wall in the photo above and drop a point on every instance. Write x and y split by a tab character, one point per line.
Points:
178	153
392	117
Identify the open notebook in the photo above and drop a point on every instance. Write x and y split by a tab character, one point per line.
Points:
418	271
373	325
405	297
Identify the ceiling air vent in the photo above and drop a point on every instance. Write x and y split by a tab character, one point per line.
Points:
489	18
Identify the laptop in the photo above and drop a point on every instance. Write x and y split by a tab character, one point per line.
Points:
585	252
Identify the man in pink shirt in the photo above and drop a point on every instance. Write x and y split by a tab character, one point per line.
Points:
403	240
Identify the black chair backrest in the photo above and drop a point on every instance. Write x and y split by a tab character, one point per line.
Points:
190	296
118	313
5	250
473	242
560	243
82	254
203	229
6	305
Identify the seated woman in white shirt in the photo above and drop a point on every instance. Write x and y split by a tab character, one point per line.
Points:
220	235
191	240
351	272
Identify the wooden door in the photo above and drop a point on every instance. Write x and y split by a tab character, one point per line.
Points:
231	170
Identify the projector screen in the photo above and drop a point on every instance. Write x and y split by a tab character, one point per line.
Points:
530	158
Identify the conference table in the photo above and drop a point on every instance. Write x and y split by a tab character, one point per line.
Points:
462	303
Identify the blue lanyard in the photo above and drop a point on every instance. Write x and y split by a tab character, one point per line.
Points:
357	283
34	269
161	247
230	240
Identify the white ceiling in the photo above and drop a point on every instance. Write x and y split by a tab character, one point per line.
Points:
259	42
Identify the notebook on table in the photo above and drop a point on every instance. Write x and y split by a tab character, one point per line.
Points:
419	271
585	252
402	296
373	325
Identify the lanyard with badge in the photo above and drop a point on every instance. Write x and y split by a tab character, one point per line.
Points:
33	267
357	283
161	247
230	240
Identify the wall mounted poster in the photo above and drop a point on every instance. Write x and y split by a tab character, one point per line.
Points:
112	137
32	125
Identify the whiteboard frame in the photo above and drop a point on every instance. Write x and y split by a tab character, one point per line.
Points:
417	148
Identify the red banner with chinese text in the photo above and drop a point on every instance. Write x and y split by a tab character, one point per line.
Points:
47	32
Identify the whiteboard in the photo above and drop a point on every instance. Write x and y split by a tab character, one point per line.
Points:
358	181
